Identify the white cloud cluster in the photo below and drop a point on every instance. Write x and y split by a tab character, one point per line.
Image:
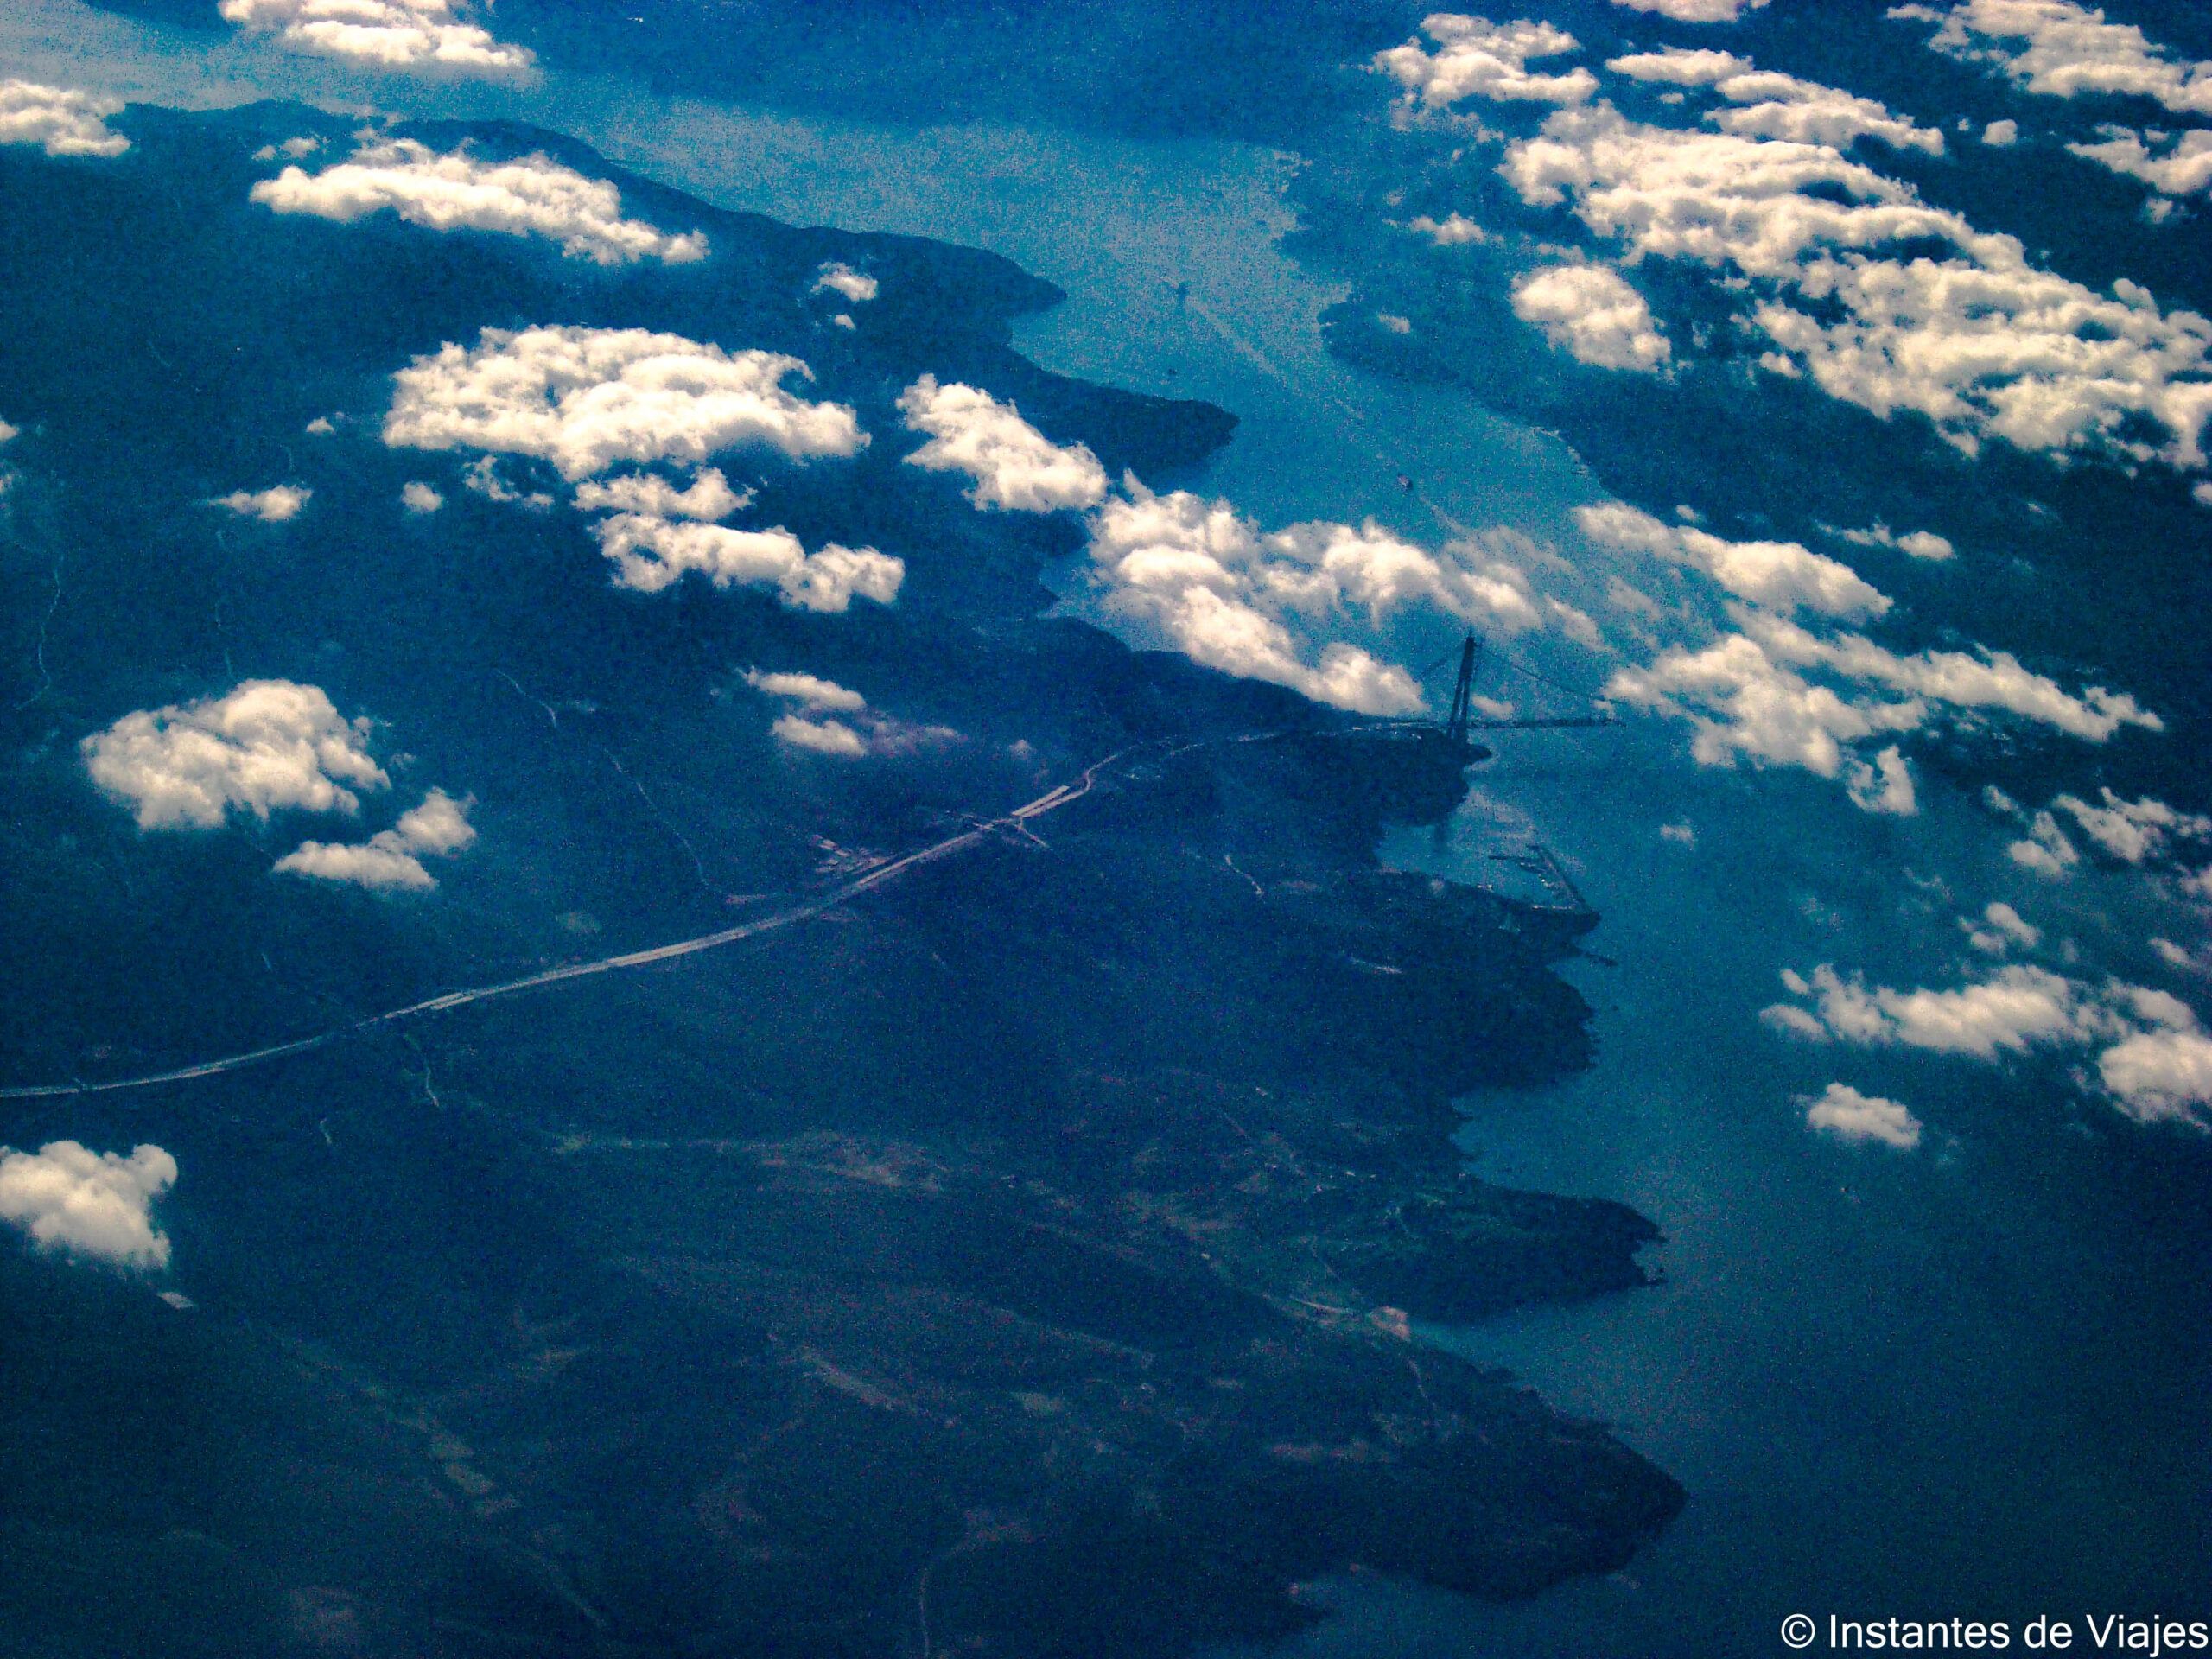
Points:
1695	11
1015	466
1455	230
657	534
1228	596
2001	928
2154	1059
419	498
415	36
2015	1009
91	1205
59	119
390	859
273	505
1774	105
811	693
825	718
1476	58
708	498
268	745
2045	848
1978	340
1783	575
856	286
1843	1112
2134	832
2147	832
2063	50
1981	679
482	477
1919	543
1883	784
1751	694
533	196
2164	1075
1592	314
2185	169
584	398
298	149
651	553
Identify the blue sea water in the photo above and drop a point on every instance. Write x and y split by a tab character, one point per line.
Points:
1966	1384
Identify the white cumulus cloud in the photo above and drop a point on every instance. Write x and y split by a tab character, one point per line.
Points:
1593	315
89	1203
482	477
1752	694
2162	1074
2063	50
2045	848
1920	543
413	36
1273	607
1476	58
2135	831
585	398
652	553
1741	703
2183	170
819	736
826	718
856	286
2001	927
2153	1059
1844	1113
1455	230
808	693
1014	466
2015	1008
1882	785
1882	300
1774	105
419	498
273	505
267	745
708	498
390	859
1978	679
657	533
1695	11
59	119
1782	574
533	196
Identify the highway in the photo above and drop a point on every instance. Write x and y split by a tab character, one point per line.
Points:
882	875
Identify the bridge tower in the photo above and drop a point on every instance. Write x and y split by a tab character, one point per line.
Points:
1462	694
